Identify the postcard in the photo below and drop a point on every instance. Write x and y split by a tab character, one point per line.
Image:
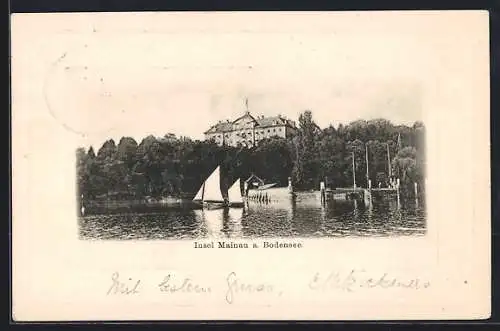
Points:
250	166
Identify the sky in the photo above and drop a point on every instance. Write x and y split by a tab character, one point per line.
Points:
142	76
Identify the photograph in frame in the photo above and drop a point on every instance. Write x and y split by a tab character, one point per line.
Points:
256	166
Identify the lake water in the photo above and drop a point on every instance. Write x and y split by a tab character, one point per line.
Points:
302	217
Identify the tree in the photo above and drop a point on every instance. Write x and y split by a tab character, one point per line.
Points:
178	166
356	147
307	167
377	156
331	157
274	160
127	150
405	165
297	169
91	153
107	151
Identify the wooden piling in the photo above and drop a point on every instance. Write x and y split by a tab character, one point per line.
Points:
416	194
353	172
397	190
322	191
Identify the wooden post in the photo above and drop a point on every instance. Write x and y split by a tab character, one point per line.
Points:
290	187
370	191
397	188
389	161
367	197
416	193
82	208
322	191
367	171
353	172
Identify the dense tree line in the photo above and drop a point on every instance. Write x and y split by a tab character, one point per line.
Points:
171	166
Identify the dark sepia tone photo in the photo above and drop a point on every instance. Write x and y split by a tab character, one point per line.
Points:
257	176
307	137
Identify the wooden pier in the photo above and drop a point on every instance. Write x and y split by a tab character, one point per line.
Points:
359	193
268	193
344	193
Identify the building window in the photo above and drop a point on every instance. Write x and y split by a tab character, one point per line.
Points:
268	130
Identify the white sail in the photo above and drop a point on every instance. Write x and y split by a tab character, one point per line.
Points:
199	195
234	193
212	187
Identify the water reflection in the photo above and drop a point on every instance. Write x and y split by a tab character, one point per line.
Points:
234	228
212	222
356	210
269	219
305	216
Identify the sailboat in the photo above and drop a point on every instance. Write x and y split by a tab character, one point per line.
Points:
234	195
210	194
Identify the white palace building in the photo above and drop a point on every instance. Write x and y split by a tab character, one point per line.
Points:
248	130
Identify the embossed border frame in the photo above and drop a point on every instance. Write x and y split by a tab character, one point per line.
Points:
59	6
